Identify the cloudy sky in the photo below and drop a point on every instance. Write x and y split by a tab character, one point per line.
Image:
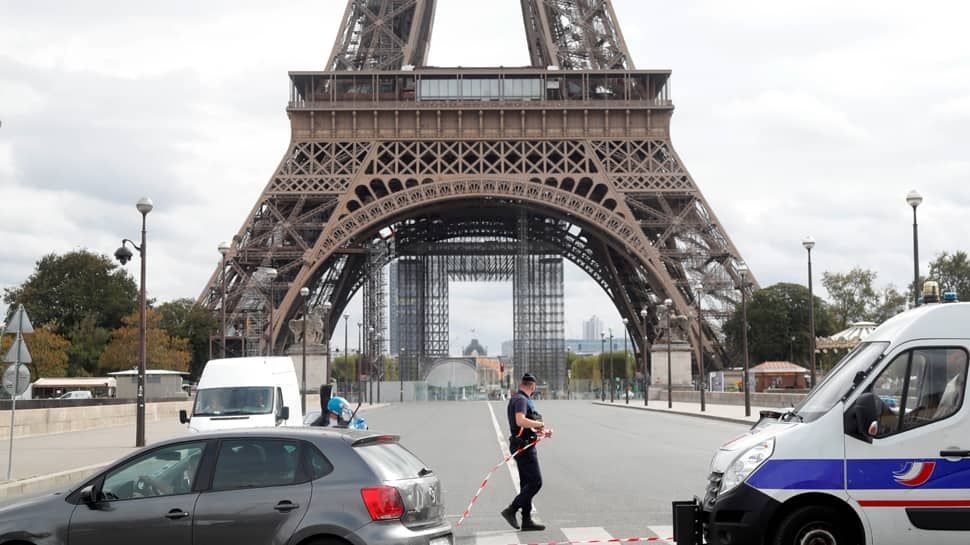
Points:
794	118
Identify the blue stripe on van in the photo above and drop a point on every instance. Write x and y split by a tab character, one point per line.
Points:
799	475
886	474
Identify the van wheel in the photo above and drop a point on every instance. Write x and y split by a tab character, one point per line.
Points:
812	525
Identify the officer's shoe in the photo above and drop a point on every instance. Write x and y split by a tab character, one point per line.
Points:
509	515
529	525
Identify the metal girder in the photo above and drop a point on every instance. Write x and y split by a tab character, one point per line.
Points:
575	34
383	35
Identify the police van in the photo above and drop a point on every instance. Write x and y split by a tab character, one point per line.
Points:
878	453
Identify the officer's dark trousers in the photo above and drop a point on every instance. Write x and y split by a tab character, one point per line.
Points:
530	480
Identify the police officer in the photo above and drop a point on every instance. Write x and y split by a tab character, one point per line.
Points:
525	424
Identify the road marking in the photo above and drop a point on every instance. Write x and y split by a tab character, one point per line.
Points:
495	538
662	531
504	449
587	533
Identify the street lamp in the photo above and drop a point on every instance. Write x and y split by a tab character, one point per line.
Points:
400	370
361	360
224	250
123	255
626	355
809	243
305	293
743	271
646	370
914	199
360	393
271	275
699	291
602	367
612	373
326	333
668	304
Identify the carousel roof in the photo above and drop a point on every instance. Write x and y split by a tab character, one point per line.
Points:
847	338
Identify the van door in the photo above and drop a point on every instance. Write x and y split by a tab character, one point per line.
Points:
913	481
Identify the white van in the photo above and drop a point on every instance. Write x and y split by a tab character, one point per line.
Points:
878	453
250	392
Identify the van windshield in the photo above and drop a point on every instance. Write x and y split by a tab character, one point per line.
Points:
233	401
838	381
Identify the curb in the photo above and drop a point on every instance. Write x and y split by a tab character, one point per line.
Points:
49	482
679	413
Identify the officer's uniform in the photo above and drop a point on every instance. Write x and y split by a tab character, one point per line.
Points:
530	476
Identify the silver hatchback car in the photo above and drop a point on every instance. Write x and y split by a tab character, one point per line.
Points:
296	486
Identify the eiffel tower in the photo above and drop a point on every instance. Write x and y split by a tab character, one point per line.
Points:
391	160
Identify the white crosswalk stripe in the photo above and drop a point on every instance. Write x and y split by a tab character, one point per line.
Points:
495	538
586	533
662	531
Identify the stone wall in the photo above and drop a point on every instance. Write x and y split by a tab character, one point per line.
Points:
758	399
65	419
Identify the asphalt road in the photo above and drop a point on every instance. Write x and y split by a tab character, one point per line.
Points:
607	471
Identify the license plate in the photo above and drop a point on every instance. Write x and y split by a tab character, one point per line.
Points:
443	540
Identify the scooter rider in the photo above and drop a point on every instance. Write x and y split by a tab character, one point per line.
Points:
525	425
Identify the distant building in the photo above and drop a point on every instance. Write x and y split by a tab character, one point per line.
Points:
159	384
508	349
592	327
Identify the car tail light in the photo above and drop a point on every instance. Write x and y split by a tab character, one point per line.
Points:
383	503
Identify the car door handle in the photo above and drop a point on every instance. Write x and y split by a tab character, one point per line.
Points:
286	506
176	514
954	453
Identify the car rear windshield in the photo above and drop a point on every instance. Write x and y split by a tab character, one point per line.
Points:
391	461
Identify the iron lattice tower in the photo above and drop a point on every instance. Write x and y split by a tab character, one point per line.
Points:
387	155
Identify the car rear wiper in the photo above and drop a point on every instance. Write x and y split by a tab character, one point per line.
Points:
424	472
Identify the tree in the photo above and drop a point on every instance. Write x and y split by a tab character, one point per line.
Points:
852	296
88	341
778	327
164	351
48	350
184	319
952	272
65	290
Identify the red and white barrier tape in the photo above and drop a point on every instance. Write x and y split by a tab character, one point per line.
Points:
613	540
489	474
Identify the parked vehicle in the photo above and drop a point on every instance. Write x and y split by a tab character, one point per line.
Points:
283	485
245	393
845	466
77	394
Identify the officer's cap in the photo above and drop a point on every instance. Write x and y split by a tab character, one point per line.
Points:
528	378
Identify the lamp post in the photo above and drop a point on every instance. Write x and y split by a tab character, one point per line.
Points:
305	293
914	199
808	243
123	255
612	373
400	370
326	335
360	393
602	367
668	304
646	369
743	271
702	373
224	250
626	355
361	358
271	275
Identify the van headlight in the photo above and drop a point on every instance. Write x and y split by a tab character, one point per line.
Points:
745	464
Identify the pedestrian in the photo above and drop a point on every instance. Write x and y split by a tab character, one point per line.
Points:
525	425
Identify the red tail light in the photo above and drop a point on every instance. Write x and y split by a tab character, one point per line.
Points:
383	503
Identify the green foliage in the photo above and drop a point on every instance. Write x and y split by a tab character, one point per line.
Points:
853	297
48	350
163	351
777	315
953	273
88	341
66	290
343	367
184	319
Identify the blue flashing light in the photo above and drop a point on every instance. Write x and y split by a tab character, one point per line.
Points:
949	296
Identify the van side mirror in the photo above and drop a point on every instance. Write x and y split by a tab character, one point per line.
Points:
284	414
184	416
861	415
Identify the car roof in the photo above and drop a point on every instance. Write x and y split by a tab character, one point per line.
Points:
306	433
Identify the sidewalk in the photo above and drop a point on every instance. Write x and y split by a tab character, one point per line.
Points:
728	413
45	462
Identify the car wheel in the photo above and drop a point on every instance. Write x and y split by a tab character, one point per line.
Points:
813	525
